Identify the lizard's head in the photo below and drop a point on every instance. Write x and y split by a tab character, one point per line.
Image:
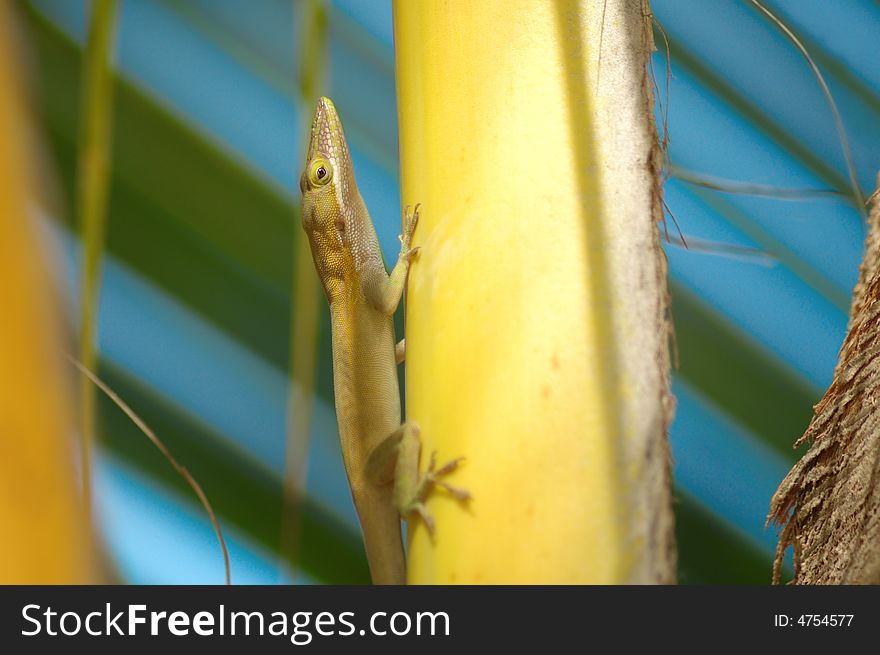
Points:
329	193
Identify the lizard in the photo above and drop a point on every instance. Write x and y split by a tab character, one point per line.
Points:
380	453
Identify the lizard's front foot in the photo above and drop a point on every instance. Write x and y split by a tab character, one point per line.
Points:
427	481
410	221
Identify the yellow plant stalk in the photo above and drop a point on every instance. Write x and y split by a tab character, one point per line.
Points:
305	305
93	178
536	322
44	537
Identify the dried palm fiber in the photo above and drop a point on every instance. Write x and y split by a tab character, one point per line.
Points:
829	503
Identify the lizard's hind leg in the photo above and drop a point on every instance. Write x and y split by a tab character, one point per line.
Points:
397	459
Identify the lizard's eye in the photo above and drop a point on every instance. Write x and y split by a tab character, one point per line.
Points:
320	172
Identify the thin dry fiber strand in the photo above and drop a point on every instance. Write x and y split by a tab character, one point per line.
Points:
661	532
829	503
148	432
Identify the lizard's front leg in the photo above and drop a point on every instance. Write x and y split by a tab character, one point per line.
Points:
383	291
397	459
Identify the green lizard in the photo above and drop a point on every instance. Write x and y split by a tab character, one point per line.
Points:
381	455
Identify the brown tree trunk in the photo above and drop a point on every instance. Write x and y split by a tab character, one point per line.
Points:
829	503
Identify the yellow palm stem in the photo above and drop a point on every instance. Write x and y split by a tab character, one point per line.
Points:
45	538
536	312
